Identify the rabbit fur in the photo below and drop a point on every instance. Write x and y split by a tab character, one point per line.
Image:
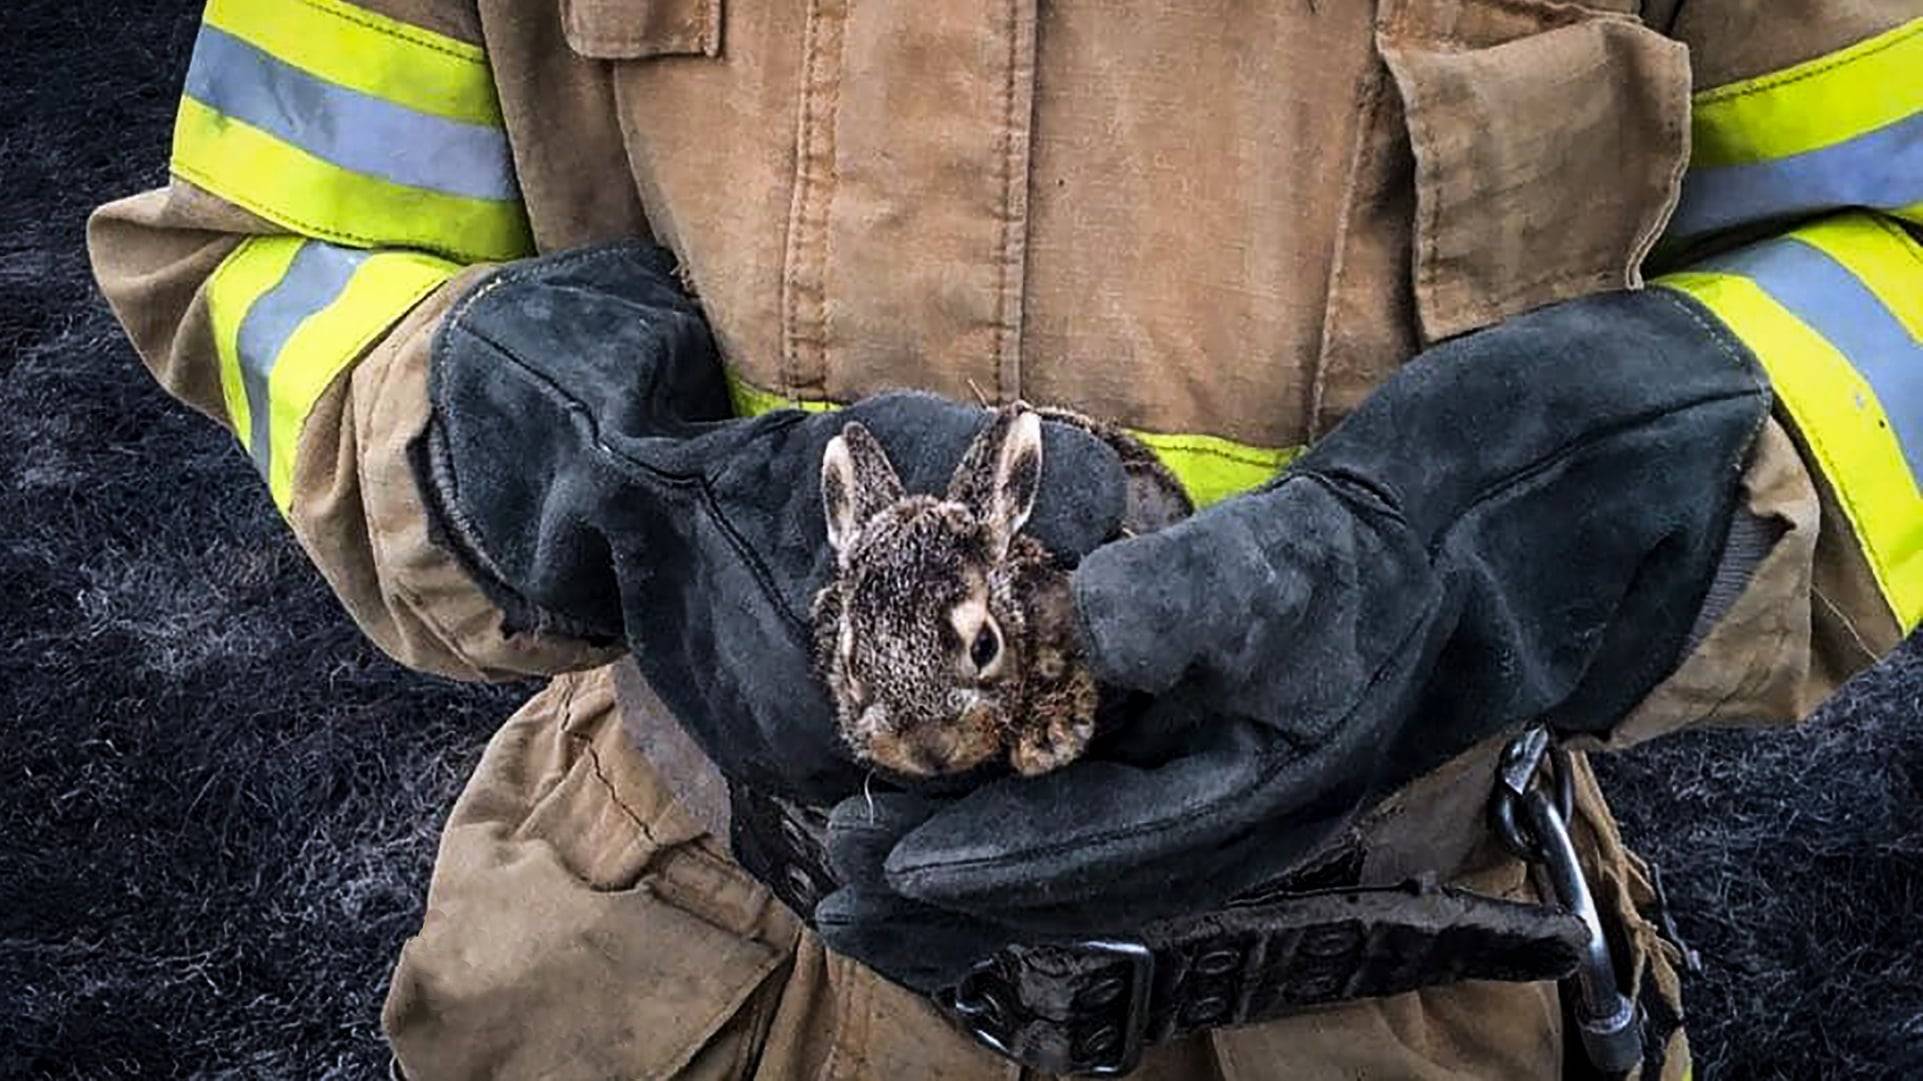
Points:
946	636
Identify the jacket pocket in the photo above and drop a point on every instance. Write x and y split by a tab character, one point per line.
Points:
1546	164
634	29
579	925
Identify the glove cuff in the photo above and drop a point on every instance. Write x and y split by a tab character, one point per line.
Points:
449	529
532	375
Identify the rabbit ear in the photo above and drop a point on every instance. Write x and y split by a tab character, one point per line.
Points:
1001	472
857	481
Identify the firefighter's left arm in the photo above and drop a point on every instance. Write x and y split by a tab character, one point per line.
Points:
1797	226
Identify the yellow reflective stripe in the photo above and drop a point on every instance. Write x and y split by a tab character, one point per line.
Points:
367	51
312	332
1826	101
1881	256
1840	418
1210	468
381	291
1842	423
248	272
752	401
294	189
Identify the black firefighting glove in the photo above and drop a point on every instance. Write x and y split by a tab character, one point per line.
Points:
1523	524
582	459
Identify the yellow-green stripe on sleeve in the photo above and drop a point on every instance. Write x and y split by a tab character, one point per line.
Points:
337	123
1834	311
1843	130
289	316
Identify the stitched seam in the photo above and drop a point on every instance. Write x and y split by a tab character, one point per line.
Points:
402	35
1216	452
1557	16
1259	783
1006	340
825	130
814	161
1368	115
1818	67
600	775
1426	183
1728	345
1565	283
790	280
1814	437
572	405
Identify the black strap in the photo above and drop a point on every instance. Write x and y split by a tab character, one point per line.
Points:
1091	1006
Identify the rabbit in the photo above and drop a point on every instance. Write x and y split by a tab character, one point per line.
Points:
945	635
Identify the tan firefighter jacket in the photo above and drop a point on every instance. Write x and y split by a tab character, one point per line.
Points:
1220	223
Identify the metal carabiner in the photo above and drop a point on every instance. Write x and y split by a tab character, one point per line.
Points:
1522	762
1610	1022
1536	828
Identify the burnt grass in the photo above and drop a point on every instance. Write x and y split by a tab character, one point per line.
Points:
218	804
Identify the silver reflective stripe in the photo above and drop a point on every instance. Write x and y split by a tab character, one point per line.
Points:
316	276
1882	169
347	127
1831	301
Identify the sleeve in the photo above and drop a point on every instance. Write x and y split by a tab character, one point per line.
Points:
1796	228
338	176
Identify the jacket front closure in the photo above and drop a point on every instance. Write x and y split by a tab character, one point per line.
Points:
905	237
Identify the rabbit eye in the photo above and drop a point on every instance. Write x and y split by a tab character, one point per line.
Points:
986	647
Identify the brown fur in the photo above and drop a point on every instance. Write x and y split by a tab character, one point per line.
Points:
1155	498
914	574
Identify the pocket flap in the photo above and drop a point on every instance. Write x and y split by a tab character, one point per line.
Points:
1546	166
633	29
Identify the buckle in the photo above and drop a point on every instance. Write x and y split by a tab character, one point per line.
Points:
1107	1026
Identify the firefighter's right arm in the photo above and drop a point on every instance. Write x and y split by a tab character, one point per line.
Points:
339	176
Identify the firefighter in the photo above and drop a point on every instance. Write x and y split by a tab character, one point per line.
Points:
1548	374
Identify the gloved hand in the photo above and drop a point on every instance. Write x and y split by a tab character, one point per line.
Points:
581	458
1521	524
